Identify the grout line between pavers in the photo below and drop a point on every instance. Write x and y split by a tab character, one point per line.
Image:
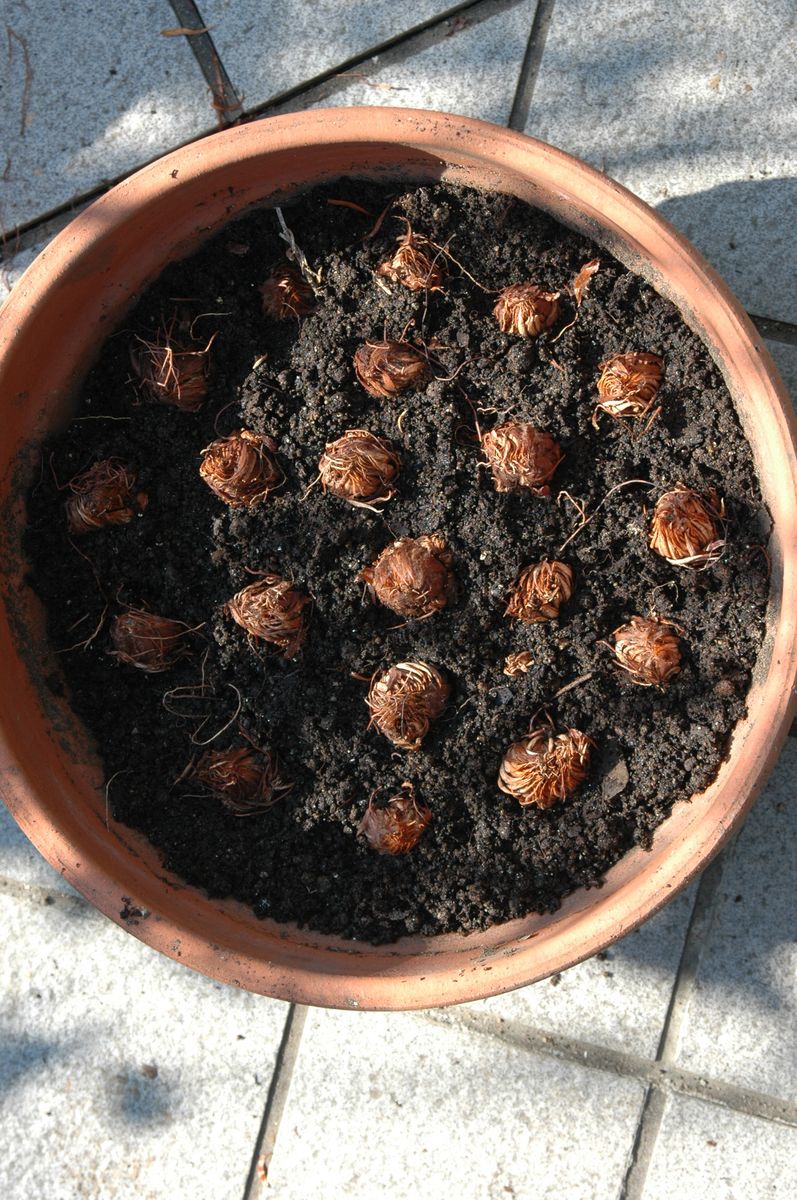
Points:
776	331
651	1115
530	67
227	103
257	1180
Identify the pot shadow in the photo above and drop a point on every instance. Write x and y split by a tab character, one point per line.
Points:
140	1097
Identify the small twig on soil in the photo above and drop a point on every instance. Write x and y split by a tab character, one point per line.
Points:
574	683
350	204
297	254
375	230
100	417
586	520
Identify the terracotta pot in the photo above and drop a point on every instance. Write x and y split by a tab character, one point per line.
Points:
77	292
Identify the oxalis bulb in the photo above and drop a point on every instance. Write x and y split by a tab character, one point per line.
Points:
395	827
521	457
412	576
414	264
241	468
545	766
173	372
271	608
649	650
101	495
286	294
539	591
404	700
525	309
246	780
518	663
385	369
151	643
686	527
628	384
359	467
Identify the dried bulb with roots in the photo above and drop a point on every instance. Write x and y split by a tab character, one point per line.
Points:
521	457
412	576
628	383
525	309
271	608
359	467
539	591
246	779
545	766
404	700
413	264
174	371
395	827
649	650
101	495
241	468
387	368
686	527
286	294
145	640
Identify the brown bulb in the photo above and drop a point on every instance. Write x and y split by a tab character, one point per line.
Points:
173	372
521	457
101	495
686	527
545	766
538	592
241	469
525	309
518	663
246	780
413	264
272	609
412	576
628	383
359	467
394	828
648	650
145	640
385	369
286	294
404	700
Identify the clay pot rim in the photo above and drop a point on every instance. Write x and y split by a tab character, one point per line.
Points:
418	972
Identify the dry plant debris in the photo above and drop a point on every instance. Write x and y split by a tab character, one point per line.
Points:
413	264
404	700
285	294
359	467
649	650
686	527
173	371
525	309
272	609
387	368
395	827
245	779
628	384
102	495
583	279
518	663
241	468
412	576
539	591
545	766
145	640
521	457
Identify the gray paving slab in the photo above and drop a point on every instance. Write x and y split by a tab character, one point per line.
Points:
473	72
20	861
693	108
618	999
717	1154
122	1075
93	92
269	49
740	1025
390	1105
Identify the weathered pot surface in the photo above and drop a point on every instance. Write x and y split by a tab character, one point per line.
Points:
76	293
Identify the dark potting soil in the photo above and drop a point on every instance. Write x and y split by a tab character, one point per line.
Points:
484	858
